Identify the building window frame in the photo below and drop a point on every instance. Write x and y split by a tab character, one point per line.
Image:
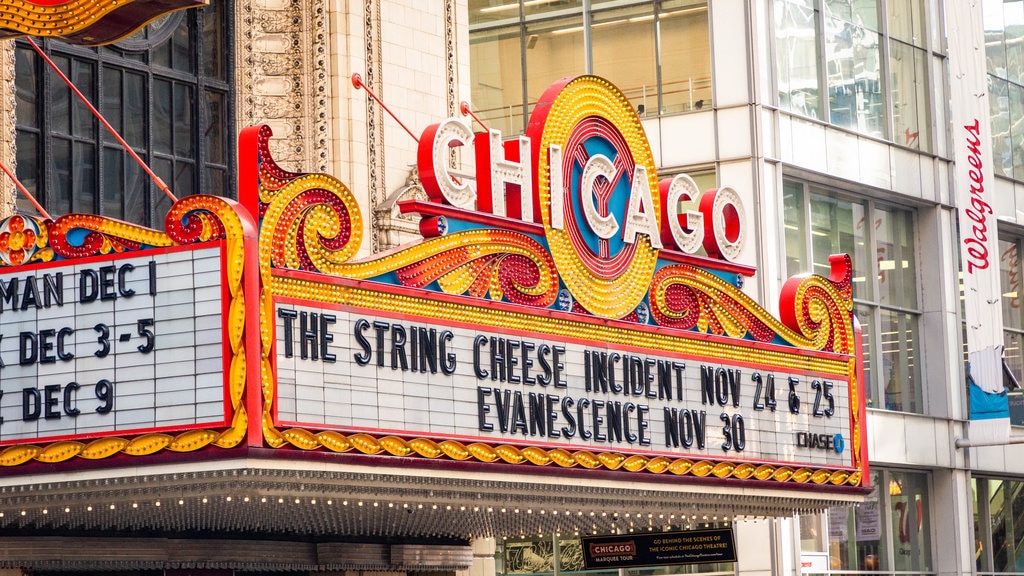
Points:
526	22
886	299
902	121
50	117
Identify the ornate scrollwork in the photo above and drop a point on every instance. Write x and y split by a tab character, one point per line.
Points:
820	308
83	235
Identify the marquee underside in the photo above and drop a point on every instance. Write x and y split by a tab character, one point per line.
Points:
280	502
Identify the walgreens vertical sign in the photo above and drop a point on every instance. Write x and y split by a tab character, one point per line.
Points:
977	221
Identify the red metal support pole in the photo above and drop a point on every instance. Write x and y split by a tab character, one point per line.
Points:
357	82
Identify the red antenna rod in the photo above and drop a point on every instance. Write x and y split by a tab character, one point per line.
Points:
25	191
464	108
357	81
159	183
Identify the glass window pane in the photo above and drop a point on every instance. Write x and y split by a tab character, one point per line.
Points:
795	228
214	45
855	533
496	77
1013	33
215	182
113	182
1000	516
215	132
839	227
184	179
685	56
910	506
160	204
161	54
1012	342
183	120
898	352
58	198
552	8
894	246
83	173
861	13
908	86
853	60
995	50
60	98
865	315
110	104
492	11
999	120
162	107
136	188
26	84
796	24
906	21
1016	99
554	50
181	47
27	149
84	77
1010	283
135	109
623	52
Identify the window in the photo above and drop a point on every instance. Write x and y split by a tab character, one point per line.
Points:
889	532
1004	54
657	53
166	90
998	524
859	65
880	240
1013	312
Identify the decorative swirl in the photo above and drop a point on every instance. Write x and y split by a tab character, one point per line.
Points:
312	223
821	308
198	218
686	297
23	239
504	264
271	176
82	235
538	456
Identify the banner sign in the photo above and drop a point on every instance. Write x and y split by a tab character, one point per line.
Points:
979	249
121	340
664	549
112	345
564	307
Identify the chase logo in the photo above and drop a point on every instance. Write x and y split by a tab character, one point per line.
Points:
821	441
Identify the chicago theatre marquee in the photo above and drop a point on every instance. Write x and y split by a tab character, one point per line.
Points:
567	350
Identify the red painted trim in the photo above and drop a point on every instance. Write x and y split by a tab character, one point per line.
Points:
858	338
249	168
482	218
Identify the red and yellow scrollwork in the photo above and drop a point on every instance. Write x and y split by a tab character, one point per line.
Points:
687	297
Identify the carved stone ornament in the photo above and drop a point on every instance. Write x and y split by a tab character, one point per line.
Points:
282	77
